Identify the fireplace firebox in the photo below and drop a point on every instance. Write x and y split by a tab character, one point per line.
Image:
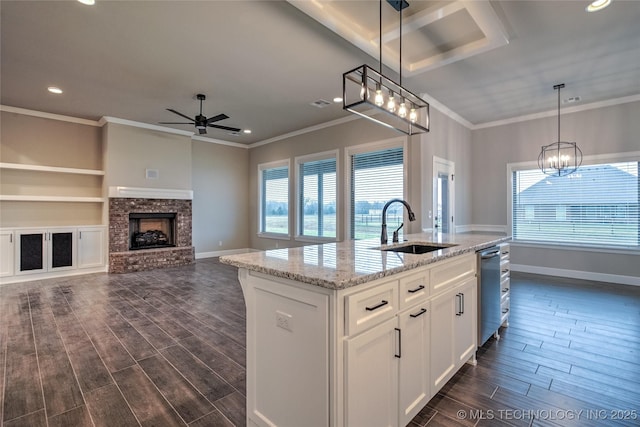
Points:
152	230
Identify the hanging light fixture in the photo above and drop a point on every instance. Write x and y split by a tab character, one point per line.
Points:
559	158
370	94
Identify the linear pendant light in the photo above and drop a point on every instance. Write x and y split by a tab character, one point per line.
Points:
370	94
559	158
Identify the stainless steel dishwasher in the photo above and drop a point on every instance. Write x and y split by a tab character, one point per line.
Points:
489	313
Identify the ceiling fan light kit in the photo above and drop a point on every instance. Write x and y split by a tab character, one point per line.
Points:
370	94
559	158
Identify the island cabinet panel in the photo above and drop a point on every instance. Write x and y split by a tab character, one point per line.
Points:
288	355
466	322
370	307
443	361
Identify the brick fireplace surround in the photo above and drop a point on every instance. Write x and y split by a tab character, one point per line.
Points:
123	260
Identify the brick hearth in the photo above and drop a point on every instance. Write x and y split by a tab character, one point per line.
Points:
122	260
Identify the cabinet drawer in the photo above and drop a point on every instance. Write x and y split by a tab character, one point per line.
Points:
370	307
504	252
505	269
504	308
505	289
452	272
414	289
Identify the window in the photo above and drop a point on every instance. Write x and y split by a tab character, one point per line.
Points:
376	177
274	197
317	191
596	205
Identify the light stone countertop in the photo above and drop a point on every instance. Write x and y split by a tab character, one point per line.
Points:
344	264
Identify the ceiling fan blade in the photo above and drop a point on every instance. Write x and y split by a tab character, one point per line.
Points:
216	118
224	128
202	131
175	123
180	114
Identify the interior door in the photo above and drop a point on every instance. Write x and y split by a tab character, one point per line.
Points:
443	195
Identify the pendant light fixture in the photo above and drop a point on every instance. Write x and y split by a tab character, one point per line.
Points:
370	94
559	158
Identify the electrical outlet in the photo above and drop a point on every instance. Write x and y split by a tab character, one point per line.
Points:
284	321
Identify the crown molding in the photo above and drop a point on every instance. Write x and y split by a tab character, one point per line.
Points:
116	120
220	142
51	116
305	130
554	113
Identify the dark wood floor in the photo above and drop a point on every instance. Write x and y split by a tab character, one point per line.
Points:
167	348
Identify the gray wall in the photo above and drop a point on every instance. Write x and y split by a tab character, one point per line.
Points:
614	129
220	200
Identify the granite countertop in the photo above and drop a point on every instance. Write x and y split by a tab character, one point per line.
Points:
344	264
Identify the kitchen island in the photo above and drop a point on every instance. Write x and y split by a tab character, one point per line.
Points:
346	334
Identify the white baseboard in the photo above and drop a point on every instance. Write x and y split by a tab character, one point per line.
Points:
200	255
487	228
51	275
575	274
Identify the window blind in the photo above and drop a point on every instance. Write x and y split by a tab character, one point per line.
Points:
317	198
596	205
376	178
275	200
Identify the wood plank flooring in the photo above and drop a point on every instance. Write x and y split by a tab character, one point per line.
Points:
167	348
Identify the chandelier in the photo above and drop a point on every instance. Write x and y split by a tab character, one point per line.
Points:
370	94
559	158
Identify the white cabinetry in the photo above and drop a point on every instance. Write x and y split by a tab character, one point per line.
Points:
371	377
453	318
91	247
7	253
505	283
34	253
369	355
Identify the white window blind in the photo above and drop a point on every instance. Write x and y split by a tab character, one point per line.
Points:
317	198
596	205
274	212
376	178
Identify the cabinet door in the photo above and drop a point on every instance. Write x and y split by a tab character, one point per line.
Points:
31	251
90	247
414	380
7	253
61	249
371	377
465	331
443	360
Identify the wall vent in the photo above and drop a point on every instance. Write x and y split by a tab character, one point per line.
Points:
320	103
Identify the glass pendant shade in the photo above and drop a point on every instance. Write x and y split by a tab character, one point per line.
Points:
364	79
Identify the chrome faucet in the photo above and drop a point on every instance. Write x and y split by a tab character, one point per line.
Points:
412	217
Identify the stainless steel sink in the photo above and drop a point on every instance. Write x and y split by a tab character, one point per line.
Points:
417	248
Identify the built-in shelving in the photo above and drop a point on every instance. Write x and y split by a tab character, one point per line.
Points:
55	169
27	198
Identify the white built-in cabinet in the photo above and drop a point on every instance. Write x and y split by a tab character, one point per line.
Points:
7	253
392	344
45	251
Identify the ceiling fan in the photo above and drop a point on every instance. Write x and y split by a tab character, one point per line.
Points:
200	121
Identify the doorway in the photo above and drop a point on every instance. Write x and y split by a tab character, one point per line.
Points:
443	195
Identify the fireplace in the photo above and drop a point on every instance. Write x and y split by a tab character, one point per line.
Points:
147	233
151	230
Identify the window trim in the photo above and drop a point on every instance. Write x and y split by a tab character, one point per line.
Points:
298	160
261	168
384	144
632	156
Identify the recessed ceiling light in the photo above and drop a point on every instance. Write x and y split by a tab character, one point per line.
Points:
88	2
54	89
337	99
598	5
247	131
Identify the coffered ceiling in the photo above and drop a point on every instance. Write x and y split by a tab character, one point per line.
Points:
263	63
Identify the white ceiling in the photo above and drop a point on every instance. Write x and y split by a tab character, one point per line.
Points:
264	62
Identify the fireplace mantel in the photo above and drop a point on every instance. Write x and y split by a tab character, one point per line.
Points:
150	193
